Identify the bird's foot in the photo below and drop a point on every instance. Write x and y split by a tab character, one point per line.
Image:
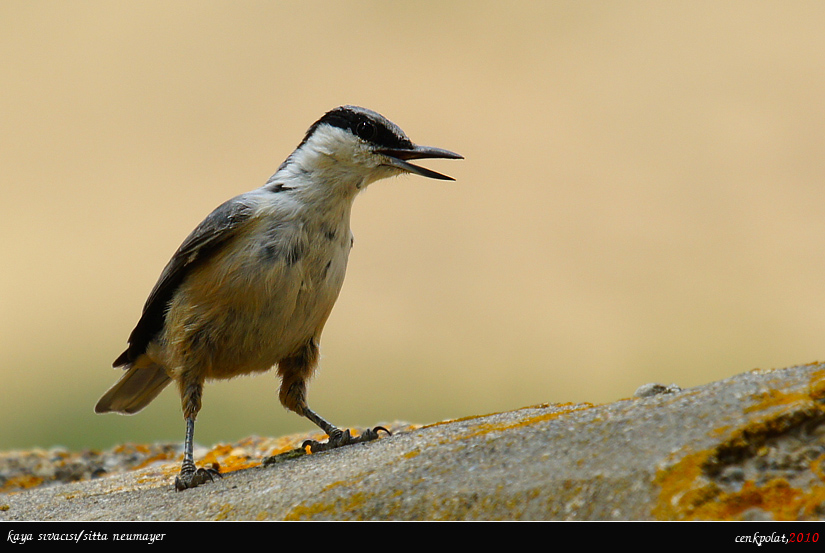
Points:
282	457
338	438
190	477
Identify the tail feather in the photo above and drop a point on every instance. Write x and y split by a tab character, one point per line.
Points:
134	391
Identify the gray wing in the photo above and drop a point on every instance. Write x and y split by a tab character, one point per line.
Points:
207	238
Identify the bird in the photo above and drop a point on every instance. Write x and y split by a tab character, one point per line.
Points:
251	288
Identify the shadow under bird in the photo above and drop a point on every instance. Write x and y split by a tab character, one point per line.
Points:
253	285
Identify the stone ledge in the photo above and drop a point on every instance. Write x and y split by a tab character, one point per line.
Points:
750	447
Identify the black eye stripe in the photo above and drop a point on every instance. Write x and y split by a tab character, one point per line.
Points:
365	124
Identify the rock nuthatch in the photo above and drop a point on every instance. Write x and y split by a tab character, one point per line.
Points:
252	286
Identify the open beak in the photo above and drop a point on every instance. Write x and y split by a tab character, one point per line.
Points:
398	158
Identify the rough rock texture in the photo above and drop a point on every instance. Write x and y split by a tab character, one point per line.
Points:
750	447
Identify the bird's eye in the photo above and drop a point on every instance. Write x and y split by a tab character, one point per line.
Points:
365	130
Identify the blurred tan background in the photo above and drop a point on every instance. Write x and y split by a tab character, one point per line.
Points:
642	199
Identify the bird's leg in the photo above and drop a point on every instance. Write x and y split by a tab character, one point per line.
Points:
294	373
190	476
337	437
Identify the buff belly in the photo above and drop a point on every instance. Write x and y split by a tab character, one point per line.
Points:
238	316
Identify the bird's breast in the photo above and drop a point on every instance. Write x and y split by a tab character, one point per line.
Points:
259	299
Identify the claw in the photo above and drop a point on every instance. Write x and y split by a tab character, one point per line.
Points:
339	438
192	478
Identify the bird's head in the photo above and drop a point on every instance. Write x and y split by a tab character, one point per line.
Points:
357	144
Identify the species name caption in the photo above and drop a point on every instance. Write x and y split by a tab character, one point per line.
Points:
83	535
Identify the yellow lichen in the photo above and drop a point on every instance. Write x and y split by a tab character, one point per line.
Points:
224	512
776	497
498	427
687	491
21	482
333	510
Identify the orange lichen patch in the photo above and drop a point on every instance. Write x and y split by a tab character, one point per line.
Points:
796	409
688	490
579	407
336	484
172	468
224	512
776	398
486	428
21	483
248	452
333	510
170	456
228	459
276	446
157	478
131	448
776	497
687	495
817	386
750	437
683	488
817	468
